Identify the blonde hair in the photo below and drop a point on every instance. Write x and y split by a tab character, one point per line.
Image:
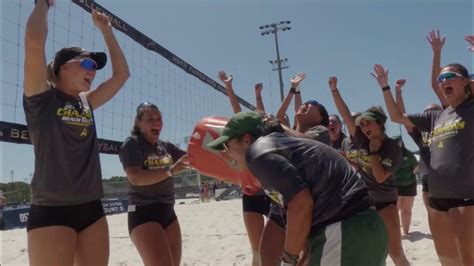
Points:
50	76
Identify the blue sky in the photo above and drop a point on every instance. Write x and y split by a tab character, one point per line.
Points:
341	38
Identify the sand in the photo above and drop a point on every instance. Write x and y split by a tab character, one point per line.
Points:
213	234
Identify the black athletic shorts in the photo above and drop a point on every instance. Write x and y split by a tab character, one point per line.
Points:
382	205
259	204
445	204
78	217
424	182
277	214
162	213
407	191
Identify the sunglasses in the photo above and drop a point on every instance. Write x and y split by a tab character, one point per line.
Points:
146	105
86	63
449	76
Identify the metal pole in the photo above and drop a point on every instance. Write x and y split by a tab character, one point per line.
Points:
278	61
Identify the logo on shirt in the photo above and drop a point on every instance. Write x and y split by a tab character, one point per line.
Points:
446	130
71	115
154	161
275	196
362	158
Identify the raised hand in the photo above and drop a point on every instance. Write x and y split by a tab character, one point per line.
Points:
224	78
101	21
470	40
435	40
381	75
332	83
399	84
182	164
295	81
258	88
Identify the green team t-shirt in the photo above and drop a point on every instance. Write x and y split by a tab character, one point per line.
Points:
404	176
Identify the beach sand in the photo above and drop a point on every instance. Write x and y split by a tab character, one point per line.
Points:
214	234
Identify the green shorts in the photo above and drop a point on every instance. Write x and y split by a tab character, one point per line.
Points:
359	240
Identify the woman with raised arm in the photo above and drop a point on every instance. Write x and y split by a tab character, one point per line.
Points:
451	172
335	132
66	223
150	164
437	226
294	91
437	44
257	206
311	118
378	157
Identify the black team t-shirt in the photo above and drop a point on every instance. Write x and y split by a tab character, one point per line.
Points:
138	152
451	168
422	140
285	165
63	134
391	155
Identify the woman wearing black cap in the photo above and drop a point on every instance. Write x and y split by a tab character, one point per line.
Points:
378	157
66	223
451	172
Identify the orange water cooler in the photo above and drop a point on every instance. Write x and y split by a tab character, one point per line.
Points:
214	163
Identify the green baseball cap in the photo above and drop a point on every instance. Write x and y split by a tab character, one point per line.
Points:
238	125
372	116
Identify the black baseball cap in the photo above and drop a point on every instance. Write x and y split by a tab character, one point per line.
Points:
65	54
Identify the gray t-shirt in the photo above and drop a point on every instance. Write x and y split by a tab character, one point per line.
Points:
138	152
391	155
285	165
319	133
451	169
67	164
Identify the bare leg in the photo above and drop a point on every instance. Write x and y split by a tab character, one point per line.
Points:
273	241
152	244
254	223
390	217
52	245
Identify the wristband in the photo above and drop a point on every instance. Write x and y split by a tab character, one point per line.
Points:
292	90
386	88
297	92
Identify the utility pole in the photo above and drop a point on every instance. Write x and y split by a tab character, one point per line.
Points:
274	28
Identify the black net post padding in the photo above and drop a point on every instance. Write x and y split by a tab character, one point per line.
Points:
18	133
150	44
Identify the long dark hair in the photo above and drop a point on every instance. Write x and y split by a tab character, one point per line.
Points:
141	109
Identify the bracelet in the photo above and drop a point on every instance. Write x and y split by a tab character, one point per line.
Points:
297	92
386	88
